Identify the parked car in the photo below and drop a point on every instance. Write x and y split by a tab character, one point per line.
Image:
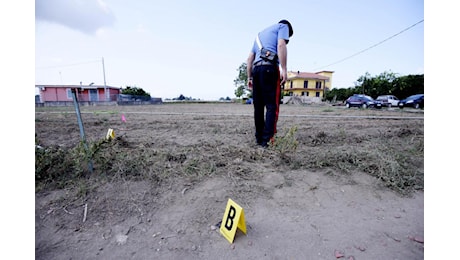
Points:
364	101
388	100
415	101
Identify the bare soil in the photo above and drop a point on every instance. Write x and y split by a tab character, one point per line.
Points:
346	184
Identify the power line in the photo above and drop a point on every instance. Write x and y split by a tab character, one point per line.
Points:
371	46
68	65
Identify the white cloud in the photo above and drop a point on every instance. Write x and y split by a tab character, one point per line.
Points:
86	16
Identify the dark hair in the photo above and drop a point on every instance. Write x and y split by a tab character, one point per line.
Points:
291	32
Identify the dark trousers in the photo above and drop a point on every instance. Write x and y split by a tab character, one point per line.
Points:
266	96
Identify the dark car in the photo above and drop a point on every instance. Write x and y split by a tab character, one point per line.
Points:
415	101
363	101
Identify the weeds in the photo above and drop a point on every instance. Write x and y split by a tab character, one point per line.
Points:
397	166
285	145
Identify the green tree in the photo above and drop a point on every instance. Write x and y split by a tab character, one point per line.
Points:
241	81
379	85
409	85
383	84
340	94
364	84
135	91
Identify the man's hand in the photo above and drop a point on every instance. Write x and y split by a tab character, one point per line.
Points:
250	84
249	62
282	55
283	77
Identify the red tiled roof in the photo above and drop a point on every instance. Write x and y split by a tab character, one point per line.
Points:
305	75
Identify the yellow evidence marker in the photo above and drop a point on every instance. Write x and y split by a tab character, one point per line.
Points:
233	218
110	134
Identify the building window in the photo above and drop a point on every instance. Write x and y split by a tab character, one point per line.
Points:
318	84
290	84
317	94
93	95
305	84
69	93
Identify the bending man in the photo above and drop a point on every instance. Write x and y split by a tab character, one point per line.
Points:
267	55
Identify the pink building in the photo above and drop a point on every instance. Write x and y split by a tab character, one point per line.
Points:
63	93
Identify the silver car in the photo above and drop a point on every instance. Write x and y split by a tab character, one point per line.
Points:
388	100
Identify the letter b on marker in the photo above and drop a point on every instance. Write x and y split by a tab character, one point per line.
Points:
231	215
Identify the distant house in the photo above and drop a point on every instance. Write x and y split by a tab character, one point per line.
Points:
308	84
88	93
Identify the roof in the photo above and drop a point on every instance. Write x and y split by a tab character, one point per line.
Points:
77	86
305	75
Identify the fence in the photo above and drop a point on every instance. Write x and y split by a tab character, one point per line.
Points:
120	99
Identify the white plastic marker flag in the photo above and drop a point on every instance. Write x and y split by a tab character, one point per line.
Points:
110	134
233	218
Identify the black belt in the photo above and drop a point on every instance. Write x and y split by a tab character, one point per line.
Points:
263	62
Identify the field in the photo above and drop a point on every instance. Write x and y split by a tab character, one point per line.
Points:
337	183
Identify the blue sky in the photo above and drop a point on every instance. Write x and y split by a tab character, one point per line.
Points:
194	48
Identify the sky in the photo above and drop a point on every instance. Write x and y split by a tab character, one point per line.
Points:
195	48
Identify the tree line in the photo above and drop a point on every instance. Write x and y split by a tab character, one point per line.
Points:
387	83
135	91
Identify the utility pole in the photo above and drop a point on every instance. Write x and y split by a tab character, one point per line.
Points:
107	96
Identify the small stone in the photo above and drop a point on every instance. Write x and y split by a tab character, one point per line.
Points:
121	239
360	248
338	254
418	239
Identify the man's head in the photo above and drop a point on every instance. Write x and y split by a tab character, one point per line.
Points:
291	32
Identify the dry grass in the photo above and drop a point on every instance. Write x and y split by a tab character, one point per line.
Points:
393	155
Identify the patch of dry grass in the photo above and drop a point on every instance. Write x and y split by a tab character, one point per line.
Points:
391	151
119	159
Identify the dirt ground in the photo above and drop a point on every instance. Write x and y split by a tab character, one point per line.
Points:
176	166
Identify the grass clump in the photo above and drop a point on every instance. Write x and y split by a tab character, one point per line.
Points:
286	145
